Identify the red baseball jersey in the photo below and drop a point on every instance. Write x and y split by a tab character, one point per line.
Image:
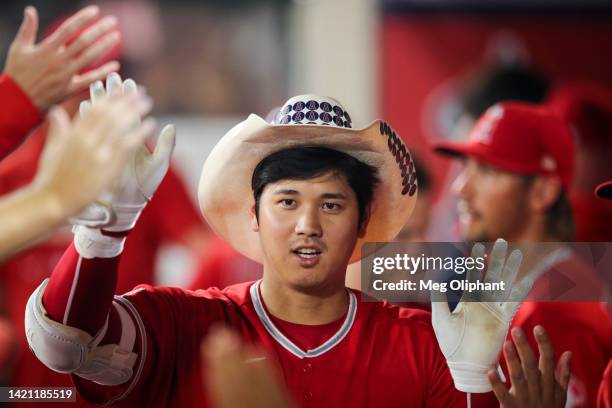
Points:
222	266
18	115
379	356
604	398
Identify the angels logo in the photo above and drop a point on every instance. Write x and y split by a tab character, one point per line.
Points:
338	111
298	106
326	117
298	116
482	132
548	163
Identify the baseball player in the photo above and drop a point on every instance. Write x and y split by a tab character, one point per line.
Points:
300	196
518	165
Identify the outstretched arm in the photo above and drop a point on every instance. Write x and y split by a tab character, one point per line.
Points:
68	317
79	161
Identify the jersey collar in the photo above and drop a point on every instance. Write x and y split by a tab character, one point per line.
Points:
288	344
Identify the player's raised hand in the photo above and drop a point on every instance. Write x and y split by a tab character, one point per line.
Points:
238	375
142	174
48	71
472	335
534	384
83	158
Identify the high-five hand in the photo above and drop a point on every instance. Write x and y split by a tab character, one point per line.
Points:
472	335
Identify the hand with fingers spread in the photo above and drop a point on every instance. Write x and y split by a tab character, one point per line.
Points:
48	72
238	376
534	384
119	209
79	161
472	335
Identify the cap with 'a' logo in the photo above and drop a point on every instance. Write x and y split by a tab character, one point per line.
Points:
519	137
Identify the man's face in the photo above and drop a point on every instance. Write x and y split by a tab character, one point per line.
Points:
492	203
308	230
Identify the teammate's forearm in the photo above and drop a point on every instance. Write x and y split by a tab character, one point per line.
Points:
26	215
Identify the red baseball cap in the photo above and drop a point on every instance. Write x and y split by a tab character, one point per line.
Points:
521	138
604	190
587	107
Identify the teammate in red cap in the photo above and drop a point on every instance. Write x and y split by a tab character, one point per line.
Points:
587	108
517	168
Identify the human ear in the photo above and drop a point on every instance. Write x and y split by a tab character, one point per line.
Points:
544	193
254	222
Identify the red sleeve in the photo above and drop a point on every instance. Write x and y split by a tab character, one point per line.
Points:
174	210
604	398
80	291
18	115
171	323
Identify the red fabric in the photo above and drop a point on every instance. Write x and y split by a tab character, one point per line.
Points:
91	297
388	358
18	115
222	266
593	218
452	49
587	106
520	138
169	216
306	336
604	398
19	168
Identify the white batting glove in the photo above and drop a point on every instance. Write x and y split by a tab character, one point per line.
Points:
471	337
118	211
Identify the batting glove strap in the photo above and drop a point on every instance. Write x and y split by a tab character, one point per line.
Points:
126	216
470	377
91	243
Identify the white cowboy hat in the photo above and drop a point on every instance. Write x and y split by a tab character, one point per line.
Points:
225	193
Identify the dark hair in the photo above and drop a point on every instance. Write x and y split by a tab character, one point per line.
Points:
307	162
503	83
560	221
423	175
559	217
